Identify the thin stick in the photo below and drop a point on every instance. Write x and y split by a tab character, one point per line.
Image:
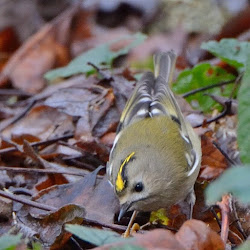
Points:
100	71
26	201
194	91
76	243
15	92
14	119
225	209
52	209
216	216
43	171
240	228
226	111
224	153
111	226
36	144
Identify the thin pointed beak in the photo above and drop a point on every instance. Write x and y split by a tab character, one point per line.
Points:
123	210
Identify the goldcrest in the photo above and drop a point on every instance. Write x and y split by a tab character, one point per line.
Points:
156	155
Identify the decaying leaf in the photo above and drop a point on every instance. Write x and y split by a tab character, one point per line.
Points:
40	123
50	226
88	192
40	53
193	234
213	161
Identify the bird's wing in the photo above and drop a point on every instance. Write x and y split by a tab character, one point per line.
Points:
153	97
165	103
137	106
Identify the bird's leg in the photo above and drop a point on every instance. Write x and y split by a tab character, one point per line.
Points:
130	224
190	199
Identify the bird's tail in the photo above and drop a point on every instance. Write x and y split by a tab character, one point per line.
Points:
164	65
152	95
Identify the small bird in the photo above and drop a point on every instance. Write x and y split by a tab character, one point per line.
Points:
156	155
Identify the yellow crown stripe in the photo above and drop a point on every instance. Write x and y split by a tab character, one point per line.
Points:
120	183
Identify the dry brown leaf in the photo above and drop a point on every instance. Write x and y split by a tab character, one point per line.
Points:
100	116
96	196
28	75
193	235
196	234
122	89
99	107
50	226
213	161
9	42
40	123
73	101
40	53
156	239
51	180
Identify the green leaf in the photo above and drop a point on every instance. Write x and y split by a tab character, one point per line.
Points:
95	236
231	51
244	116
9	242
99	56
244	246
203	75
234	180
36	246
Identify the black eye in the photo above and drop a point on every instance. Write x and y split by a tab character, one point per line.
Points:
138	187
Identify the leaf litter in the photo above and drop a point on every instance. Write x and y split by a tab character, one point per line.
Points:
74	119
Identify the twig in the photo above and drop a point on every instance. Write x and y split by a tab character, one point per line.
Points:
79	164
225	111
36	144
194	91
219	224
215	215
224	153
235	235
18	147
119	228
20	190
74	241
237	81
52	209
15	92
160	226
26	201
100	71
14	119
44	171
225	209
239	226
